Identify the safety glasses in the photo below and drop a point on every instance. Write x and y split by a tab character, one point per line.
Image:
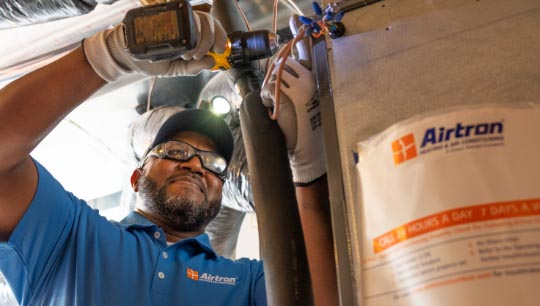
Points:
181	151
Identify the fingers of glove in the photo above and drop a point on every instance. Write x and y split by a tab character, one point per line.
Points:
148	68
268	92
287	70
116	44
205	36
287	114
192	67
297	83
288	122
288	76
189	55
220	38
213	36
176	67
266	96
108	65
302	46
300	82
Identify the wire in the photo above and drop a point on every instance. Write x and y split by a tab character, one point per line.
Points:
274	27
286	50
248	25
277	90
293	7
274	16
282	57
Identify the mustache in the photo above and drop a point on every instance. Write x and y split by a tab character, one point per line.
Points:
188	177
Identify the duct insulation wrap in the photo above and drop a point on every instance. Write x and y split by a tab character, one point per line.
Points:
462	188
15	13
237	193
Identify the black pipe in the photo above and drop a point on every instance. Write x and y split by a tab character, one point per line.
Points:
280	233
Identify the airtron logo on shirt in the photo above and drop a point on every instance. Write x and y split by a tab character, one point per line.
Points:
209	278
449	139
194	275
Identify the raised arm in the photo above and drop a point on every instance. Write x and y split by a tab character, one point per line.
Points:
31	106
314	209
300	121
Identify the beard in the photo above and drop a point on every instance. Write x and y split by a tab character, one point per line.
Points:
177	211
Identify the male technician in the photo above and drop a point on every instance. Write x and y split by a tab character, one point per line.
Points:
55	250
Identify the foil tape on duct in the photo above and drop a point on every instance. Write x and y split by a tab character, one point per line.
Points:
237	192
15	13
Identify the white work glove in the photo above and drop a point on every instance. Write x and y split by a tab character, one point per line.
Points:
107	53
299	114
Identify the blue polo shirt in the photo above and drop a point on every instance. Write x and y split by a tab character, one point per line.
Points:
63	252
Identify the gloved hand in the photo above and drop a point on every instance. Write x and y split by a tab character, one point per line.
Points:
107	54
299	116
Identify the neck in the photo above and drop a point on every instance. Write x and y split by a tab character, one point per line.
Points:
172	234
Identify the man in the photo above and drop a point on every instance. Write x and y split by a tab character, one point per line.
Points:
224	229
57	251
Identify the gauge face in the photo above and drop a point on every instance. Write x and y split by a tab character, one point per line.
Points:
156	29
160	32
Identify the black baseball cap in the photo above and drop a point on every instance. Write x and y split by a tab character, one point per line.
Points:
203	122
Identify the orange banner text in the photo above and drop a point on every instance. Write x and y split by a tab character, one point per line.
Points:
458	216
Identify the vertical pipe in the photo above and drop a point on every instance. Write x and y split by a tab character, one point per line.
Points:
281	239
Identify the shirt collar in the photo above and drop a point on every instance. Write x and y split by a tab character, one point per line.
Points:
202	241
135	220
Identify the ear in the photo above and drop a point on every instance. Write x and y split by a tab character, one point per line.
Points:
135	179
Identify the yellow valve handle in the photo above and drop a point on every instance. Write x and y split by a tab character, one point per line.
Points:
222	60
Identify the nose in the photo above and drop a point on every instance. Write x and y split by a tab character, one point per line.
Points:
193	164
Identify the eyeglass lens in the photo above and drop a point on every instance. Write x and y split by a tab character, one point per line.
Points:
183	152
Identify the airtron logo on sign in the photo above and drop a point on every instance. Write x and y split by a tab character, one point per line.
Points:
442	134
404	149
455	138
210	278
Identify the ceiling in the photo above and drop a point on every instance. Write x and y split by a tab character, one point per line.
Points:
88	151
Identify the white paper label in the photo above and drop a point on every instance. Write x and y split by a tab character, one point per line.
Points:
450	209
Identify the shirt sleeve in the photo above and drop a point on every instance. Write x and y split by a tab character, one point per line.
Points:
260	285
37	241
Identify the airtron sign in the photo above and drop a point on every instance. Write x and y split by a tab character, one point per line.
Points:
450	138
